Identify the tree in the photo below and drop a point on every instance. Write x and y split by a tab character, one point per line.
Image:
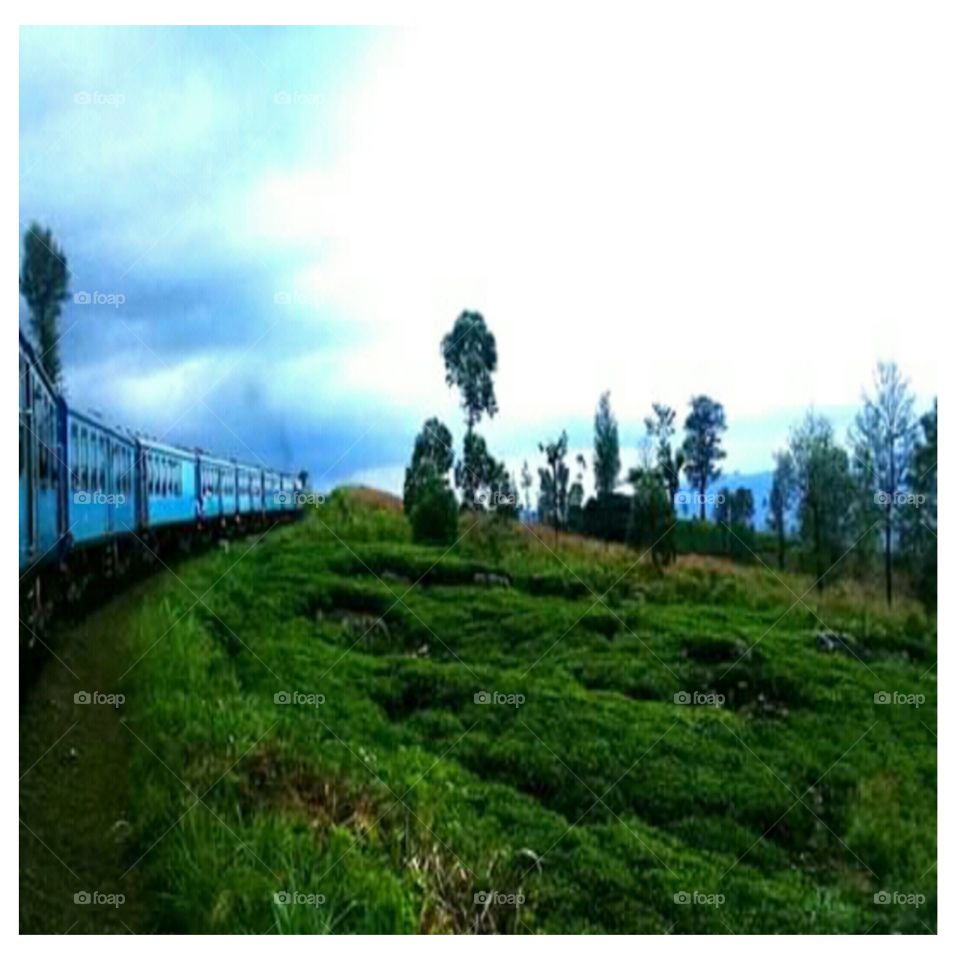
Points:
470	357
652	517
918	531
526	481
576	497
554	479
821	473
432	457
741	508
606	448
44	279
478	474
886	429
660	429
781	498
433	518
704	425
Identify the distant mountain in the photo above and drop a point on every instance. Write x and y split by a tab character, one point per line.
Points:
758	483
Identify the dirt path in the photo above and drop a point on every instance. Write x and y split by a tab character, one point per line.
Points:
74	873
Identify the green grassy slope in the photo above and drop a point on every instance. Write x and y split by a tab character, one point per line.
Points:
582	797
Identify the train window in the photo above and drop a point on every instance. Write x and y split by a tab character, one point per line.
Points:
82	448
103	463
41	431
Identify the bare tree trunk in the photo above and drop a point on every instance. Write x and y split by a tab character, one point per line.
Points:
888	558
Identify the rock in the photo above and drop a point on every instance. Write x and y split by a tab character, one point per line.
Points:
491	579
830	642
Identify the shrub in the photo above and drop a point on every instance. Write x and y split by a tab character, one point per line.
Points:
433	516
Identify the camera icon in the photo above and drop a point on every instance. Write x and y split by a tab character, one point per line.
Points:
682	697
81	297
283	898
882	897
481	898
881	697
81	696
481	697
281	696
681	897
82	498
282	297
882	498
282	97
82	96
82	897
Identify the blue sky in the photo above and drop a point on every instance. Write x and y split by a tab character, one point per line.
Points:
276	226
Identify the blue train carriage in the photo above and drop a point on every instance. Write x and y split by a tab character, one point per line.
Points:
218	489
42	468
249	490
102	465
289	492
271	491
168	484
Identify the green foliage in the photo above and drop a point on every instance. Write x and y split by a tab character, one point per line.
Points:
554	482
401	796
884	437
781	499
470	357
607	517
702	449
432	457
44	279
651	517
482	478
660	429
918	519
824	493
606	448
433	517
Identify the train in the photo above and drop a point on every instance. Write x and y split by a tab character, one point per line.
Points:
93	495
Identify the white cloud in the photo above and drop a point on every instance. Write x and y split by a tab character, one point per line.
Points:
671	209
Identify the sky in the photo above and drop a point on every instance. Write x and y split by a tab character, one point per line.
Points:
269	230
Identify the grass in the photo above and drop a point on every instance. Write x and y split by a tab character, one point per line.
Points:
318	756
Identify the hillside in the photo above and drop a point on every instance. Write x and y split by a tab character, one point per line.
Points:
340	731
